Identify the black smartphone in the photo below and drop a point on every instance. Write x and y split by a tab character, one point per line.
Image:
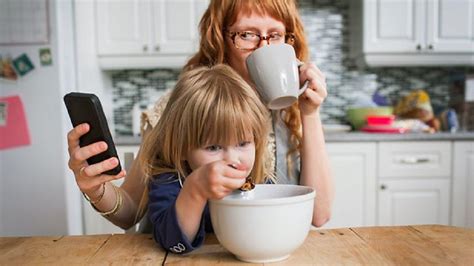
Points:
86	108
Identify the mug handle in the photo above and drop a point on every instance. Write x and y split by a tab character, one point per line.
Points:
306	83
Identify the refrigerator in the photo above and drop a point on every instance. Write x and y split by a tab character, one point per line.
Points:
38	195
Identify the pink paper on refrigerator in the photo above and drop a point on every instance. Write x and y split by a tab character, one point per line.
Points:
13	127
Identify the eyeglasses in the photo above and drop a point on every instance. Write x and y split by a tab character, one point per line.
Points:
248	40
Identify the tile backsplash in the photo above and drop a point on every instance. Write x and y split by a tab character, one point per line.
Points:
135	90
327	29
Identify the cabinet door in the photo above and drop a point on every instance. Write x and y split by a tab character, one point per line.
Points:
450	26
175	25
353	169
407	202
122	27
463	184
393	26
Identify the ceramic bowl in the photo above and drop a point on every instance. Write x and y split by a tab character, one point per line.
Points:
267	225
357	116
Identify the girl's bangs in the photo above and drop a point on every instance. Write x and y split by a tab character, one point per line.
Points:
228	125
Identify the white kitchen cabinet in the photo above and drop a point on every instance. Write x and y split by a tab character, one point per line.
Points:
147	33
405	202
94	223
353	169
393	26
380	183
450	26
414	182
463	184
413	32
123	27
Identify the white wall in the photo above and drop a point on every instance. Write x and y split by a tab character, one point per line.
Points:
38	193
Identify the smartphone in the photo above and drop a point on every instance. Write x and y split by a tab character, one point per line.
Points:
86	108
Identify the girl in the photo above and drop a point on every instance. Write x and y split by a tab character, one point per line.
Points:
211	136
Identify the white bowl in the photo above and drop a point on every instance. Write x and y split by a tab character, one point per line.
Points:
267	225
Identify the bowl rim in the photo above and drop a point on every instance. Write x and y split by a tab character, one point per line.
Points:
369	108
259	202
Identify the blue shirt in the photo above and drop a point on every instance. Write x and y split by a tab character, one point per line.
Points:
163	192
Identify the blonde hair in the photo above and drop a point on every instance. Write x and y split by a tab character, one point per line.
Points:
223	13
208	105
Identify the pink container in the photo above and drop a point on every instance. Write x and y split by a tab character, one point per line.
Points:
380	120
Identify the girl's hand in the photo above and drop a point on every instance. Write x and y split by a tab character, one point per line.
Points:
89	177
313	97
216	180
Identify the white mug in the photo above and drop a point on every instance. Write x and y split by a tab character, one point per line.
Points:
274	70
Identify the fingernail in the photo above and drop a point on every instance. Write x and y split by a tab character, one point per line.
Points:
103	145
113	160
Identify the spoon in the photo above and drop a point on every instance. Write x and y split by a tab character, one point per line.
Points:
247	189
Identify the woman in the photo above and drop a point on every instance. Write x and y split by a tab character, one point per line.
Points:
230	31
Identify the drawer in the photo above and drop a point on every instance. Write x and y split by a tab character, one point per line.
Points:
410	159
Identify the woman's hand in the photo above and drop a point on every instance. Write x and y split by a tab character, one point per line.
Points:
89	177
313	97
216	180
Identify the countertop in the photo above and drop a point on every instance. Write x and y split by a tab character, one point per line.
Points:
393	245
356	137
367	137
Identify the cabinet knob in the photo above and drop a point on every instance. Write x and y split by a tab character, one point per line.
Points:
145	48
157	48
383	187
430	47
418	47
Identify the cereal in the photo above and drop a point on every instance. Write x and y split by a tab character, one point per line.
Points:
248	185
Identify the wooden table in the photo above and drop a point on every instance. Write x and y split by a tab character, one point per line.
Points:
402	245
